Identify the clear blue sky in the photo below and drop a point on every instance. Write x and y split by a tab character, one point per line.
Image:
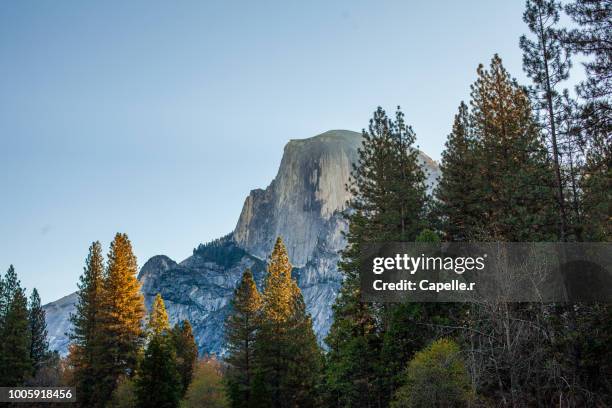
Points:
157	118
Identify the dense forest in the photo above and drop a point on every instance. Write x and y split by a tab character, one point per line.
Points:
522	163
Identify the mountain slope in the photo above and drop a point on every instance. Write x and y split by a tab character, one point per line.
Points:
303	204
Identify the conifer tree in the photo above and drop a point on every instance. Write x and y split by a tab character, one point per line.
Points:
547	64
240	329
39	346
286	352
158	317
15	364
515	179
121	314
456	194
10	283
186	352
85	336
158	383
388	204
592	38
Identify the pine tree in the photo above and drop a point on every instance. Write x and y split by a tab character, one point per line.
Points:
456	194
158	317
547	63
186	352
15	364
158	383
515	180
513	195
240	329
39	346
10	283
592	38
287	356
121	314
388	204
85	336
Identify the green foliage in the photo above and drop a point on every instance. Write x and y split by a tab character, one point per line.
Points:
186	352
15	362
124	395
221	251
388	204
24	347
240	329
456	203
85	336
157	323
39	346
287	356
428	236
206	389
121	313
9	286
513	187
158	383
547	63
591	37
435	377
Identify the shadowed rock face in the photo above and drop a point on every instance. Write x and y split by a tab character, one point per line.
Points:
303	205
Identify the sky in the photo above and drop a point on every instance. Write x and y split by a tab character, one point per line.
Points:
157	118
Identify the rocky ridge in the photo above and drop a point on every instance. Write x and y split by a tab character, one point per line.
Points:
303	204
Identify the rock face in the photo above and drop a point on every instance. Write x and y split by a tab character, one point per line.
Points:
303	205
302	202
58	321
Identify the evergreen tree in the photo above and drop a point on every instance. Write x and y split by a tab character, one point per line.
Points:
514	198
158	317
515	181
39	346
455	194
15	364
186	352
592	38
388	204
240	329
121	314
547	64
286	352
158	383
9	286
85	336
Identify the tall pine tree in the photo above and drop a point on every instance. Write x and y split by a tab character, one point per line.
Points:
39	346
85	336
158	383
593	38
15	362
121	314
514	178
158	317
240	329
10	283
456	196
186	352
388	203
547	64
287	356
